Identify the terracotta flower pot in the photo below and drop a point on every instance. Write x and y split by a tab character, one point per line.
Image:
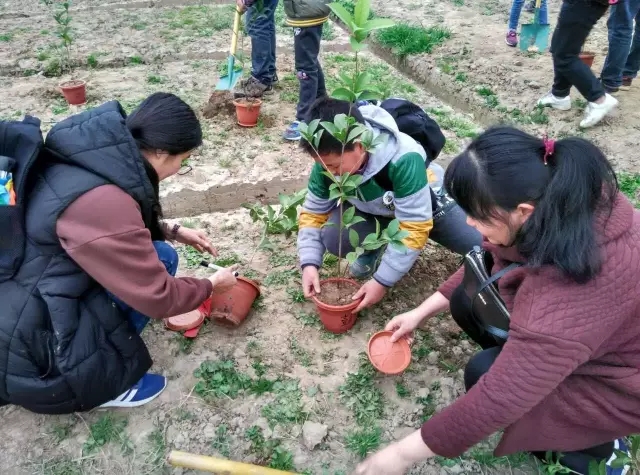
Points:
587	57
338	318
231	308
247	111
75	92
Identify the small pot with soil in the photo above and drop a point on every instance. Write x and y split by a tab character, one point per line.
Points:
335	305
231	308
587	57
74	91
247	111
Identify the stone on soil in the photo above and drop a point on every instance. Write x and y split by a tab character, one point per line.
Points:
313	434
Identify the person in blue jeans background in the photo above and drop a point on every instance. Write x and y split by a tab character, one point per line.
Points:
623	59
261	27
514	18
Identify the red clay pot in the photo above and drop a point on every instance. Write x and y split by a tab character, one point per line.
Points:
247	111
337	318
232	307
75	92
587	58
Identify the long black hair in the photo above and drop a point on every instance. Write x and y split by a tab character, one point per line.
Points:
163	122
505	167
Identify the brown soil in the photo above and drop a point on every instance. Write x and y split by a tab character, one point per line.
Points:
337	292
220	102
248	102
73	83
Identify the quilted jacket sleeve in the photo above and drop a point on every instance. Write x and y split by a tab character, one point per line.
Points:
530	366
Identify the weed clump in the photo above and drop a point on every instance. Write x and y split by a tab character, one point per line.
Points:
406	39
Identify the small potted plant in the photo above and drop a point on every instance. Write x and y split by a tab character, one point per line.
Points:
74	90
335	303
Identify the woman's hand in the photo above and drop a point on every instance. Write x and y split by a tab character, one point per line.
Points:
404	325
396	458
196	239
310	281
223	280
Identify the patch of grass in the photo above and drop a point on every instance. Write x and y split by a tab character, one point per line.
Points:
139	26
197	20
299	353
450	147
191	256
461	77
130	104
280	259
446	66
92	60
281	459
53	68
60	432
227	259
225	162
60	108
539	116
486	458
135	60
328	32
61	466
221	378
364	441
308	319
297	295
105	430
283	277
458	3
155	79
43	55
287	407
185	345
630	186
221	441
490	97
401	390
428	404
461	127
269	452
360	394
406	39
6	37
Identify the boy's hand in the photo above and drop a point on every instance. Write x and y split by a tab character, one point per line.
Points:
310	281
224	279
372	292
241	7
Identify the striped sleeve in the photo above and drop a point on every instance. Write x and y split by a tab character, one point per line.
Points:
314	214
408	176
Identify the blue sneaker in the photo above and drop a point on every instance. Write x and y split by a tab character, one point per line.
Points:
365	265
293	132
146	390
620	445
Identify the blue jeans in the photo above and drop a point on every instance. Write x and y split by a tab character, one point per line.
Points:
169	257
620	61
516	9
260	24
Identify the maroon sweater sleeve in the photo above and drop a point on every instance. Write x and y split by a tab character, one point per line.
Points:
104	234
452	283
530	366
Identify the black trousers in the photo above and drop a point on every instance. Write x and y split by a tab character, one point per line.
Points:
306	46
480	363
577	19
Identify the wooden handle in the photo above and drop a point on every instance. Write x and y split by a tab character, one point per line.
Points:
538	3
215	465
236	33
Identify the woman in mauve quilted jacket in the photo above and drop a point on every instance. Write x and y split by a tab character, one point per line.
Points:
567	378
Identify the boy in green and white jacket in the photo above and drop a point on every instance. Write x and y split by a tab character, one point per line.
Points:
395	184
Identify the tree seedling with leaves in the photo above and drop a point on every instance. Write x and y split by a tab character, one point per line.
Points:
345	129
277	221
60	12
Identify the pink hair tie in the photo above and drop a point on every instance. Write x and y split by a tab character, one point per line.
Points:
549	148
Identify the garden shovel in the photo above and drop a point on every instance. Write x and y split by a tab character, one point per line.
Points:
229	81
534	36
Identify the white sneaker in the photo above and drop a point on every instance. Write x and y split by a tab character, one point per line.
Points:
594	112
560	103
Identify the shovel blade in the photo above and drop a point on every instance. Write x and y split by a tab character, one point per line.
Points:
534	37
229	80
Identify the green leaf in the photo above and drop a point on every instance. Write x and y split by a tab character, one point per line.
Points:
635	446
361	12
377	227
329	127
370	94
270	212
393	228
351	257
370	238
356	132
377	24
354	239
345	79
340	121
343	15
362	82
334	194
398	246
316	138
400	235
357	219
356	45
348	215
330	175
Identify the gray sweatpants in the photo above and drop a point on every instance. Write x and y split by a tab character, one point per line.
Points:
450	229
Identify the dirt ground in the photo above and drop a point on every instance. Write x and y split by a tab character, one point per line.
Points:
126	51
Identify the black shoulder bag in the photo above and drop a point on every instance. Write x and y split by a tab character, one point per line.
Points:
487	307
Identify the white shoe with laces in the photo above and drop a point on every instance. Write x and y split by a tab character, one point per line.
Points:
595	112
560	103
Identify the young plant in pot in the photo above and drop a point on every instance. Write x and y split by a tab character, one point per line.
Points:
74	90
335	302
